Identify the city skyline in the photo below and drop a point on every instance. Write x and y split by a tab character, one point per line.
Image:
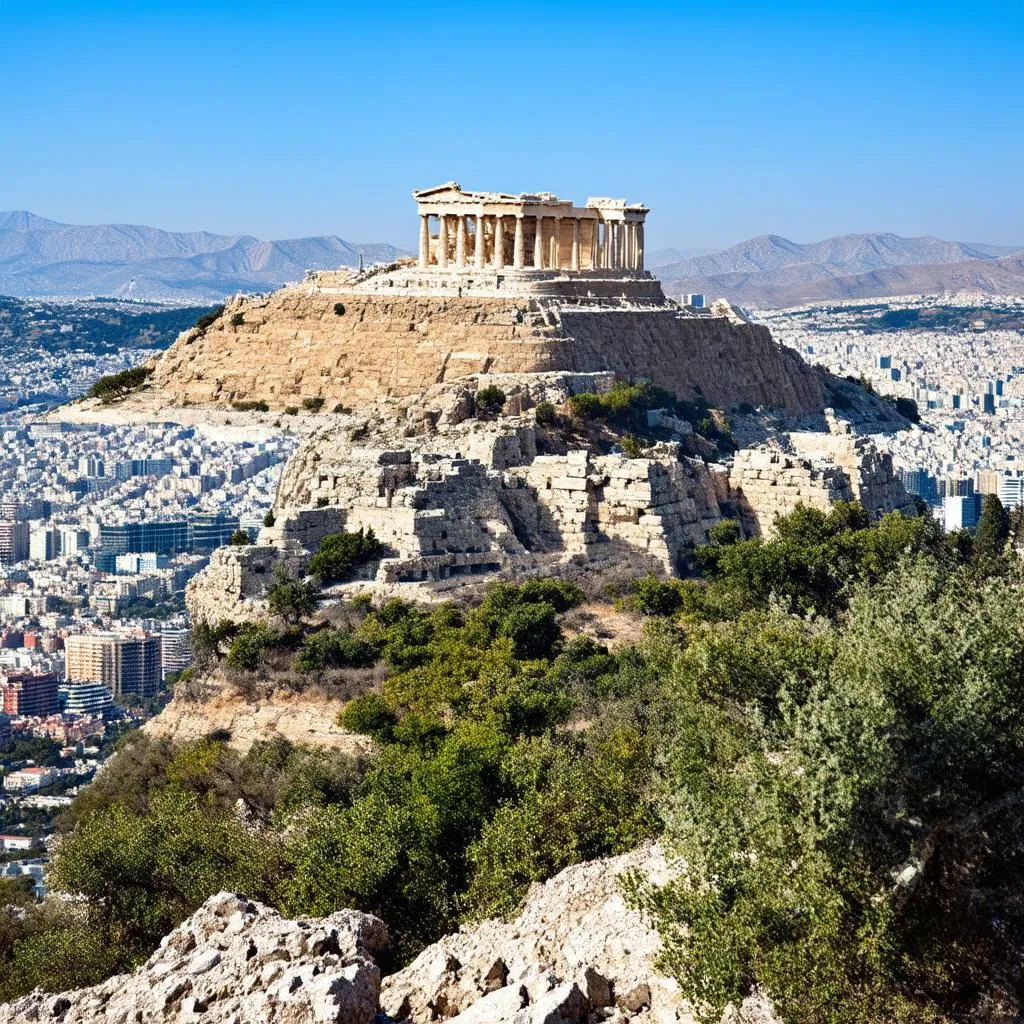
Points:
283	122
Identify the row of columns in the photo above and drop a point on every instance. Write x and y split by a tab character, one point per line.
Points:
622	246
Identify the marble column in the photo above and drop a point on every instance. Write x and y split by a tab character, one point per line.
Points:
517	251
640	246
424	239
595	237
442	241
538	245
478	249
556	245
499	243
628	261
575	259
460	241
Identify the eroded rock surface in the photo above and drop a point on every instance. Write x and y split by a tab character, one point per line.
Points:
239	961
576	953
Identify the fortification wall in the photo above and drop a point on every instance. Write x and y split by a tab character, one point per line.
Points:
293	345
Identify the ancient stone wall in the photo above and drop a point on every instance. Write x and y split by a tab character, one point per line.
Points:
816	469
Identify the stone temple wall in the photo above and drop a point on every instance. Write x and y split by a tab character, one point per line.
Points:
292	345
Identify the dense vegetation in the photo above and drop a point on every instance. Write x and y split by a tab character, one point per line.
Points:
625	409
826	727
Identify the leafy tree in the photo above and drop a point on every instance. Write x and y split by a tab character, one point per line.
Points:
993	528
338	554
291	599
838	839
334	648
250	645
240	538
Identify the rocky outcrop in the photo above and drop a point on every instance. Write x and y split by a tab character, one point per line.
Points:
305	718
351	347
236	961
577	953
452	496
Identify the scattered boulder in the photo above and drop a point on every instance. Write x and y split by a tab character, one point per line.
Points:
235	960
577	953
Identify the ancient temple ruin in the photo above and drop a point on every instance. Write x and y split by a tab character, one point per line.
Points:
462	230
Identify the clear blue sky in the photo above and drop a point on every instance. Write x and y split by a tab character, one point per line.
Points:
729	120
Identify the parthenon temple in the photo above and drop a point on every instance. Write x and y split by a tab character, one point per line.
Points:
462	230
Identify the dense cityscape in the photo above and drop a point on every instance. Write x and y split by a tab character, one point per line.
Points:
958	359
101	527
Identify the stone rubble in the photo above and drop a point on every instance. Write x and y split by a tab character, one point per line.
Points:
235	960
577	953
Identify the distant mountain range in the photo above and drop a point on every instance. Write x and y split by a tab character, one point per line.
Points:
40	257
771	270
43	257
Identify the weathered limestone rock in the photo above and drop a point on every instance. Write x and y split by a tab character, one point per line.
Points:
576	951
292	345
815	469
307	718
239	961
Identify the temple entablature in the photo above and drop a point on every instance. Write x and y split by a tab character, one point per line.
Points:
533	231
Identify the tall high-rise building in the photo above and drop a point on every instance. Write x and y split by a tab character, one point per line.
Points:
43	543
175	650
13	541
123	664
26	694
85	698
961	512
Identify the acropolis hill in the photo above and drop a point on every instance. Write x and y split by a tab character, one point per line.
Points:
502	284
541	301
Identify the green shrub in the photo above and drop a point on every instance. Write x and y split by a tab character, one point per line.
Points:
369	715
291	410
490	400
238	319
251	406
312	404
240	538
290	599
339	309
545	414
341	409
250	645
654	596
586	406
633	447
209	319
334	648
340	553
118	385
269	519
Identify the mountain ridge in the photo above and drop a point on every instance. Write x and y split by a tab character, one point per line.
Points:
773	269
41	257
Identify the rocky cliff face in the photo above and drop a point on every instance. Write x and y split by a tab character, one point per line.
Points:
575	954
351	348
